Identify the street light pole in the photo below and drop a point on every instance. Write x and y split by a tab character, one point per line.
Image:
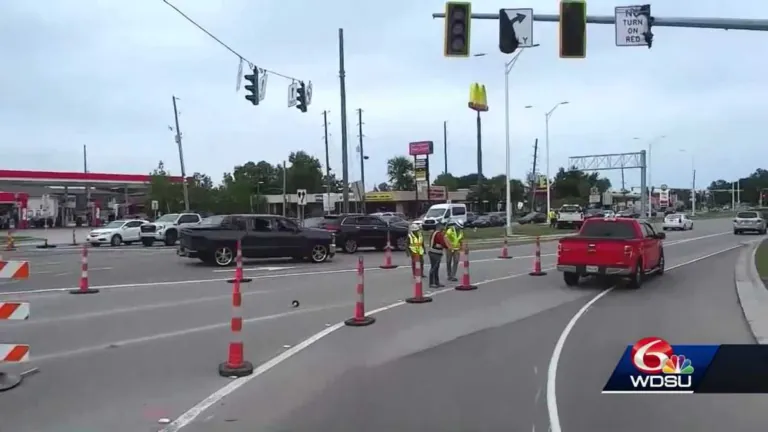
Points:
547	115
507	69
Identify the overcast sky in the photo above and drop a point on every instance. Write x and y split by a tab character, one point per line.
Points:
102	72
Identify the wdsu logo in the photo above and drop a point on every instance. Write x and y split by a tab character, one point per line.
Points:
652	365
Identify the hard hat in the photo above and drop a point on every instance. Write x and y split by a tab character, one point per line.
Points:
413	228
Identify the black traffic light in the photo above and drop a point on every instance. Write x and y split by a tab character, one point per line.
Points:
573	29
457	29
301	97
508	41
253	87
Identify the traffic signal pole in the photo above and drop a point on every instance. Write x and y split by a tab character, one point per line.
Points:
683	22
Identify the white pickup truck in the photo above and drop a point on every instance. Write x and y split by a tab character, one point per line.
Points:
166	228
570	216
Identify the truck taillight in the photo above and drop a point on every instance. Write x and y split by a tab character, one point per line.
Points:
559	249
628	251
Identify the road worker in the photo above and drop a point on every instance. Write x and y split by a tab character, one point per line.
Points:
454	236
416	248
437	245
552	218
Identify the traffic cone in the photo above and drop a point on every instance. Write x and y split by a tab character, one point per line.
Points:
74	239
388	255
537	261
505	250
418	286
239	266
465	283
84	288
360	320
236	365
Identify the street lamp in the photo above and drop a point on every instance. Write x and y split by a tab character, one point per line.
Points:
648	168
258	193
547	115
693	182
507	69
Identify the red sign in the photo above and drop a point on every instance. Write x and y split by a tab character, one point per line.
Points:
438	193
419	148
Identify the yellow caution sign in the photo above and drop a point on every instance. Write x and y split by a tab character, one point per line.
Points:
478	99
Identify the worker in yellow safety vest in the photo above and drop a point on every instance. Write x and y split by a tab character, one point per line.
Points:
416	248
454	237
552	218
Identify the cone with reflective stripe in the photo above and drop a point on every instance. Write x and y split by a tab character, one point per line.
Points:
418	287
465	283
388	255
9	244
505	250
537	261
9	381
84	288
239	266
236	365
360	319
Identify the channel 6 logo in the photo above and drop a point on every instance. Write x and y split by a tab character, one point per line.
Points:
653	365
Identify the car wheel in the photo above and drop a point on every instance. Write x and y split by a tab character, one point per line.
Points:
170	238
95	244
665	229
636	279
571	279
660	268
319	254
736	232
350	246
116	240
147	242
223	256
401	243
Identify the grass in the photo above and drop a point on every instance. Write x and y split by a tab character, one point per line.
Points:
761	259
714	215
519	230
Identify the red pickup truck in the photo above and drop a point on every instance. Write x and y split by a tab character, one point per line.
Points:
612	247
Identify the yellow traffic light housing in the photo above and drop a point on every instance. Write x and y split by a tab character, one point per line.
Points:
458	17
573	29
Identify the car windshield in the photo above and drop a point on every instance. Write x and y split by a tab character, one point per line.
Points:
114	224
609	229
213	220
170	217
435	213
314	222
747	215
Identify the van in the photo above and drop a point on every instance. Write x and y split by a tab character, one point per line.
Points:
444	213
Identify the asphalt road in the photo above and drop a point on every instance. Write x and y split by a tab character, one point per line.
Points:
148	345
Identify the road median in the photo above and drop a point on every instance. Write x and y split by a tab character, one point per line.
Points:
753	295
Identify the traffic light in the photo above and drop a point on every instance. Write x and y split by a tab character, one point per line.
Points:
253	87
573	29
457	26
301	97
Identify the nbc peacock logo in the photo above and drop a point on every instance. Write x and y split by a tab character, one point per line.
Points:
677	364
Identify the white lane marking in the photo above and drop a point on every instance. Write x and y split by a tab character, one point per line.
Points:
324	272
188	331
254	269
206	403
554	417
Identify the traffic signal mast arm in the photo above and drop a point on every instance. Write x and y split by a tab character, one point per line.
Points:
683	22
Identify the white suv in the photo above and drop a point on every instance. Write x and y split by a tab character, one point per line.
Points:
166	228
749	221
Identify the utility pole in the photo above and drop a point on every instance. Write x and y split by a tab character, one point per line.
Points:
733	196
534	178
285	184
327	158
181	156
693	195
343	95
362	153
85	170
445	145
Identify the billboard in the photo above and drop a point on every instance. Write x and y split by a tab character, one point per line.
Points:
419	148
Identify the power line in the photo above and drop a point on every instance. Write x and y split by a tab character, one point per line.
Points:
230	49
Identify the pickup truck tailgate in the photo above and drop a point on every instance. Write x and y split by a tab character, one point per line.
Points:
580	251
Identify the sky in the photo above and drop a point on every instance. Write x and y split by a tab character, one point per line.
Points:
102	73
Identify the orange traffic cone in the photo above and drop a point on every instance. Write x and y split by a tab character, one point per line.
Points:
465	283
360	319
388	255
504	250
537	261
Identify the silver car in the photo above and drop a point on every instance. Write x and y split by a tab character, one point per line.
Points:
747	221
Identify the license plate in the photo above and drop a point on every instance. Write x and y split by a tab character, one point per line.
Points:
592	269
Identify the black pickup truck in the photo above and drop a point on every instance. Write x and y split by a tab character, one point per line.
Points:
214	240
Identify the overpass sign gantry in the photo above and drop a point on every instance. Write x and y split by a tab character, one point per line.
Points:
615	161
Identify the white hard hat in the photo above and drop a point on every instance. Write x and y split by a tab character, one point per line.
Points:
413	227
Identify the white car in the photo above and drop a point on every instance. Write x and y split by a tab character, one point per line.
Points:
677	221
117	232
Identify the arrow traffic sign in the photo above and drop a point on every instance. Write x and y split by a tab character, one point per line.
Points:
521	22
301	195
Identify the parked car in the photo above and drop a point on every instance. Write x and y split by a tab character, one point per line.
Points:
570	216
117	232
214	241
482	221
354	231
612	247
166	228
749	221
533	218
677	221
444	213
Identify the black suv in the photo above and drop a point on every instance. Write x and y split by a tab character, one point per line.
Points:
214	240
354	231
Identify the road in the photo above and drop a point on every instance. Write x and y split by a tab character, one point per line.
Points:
148	345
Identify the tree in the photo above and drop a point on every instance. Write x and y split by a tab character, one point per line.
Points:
751	188
400	173
305	172
448	180
382	187
574	185
168	195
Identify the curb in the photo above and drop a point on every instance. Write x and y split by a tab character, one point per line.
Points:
753	295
